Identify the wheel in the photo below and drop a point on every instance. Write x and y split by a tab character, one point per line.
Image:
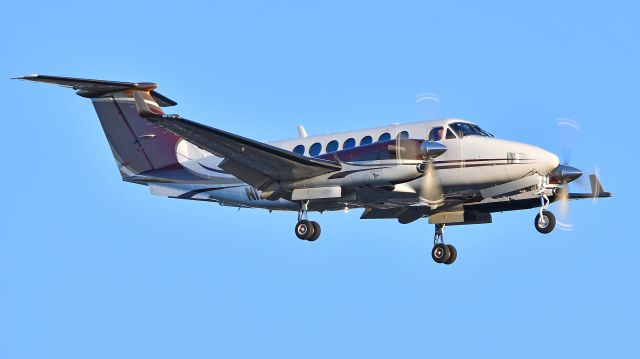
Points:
316	231
545	223
440	253
453	254
304	229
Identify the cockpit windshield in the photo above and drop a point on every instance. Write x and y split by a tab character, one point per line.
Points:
463	129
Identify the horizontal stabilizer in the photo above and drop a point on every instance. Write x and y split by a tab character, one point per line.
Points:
96	88
596	190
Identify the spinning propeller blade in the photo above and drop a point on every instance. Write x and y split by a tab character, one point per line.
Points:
568	132
430	188
563	220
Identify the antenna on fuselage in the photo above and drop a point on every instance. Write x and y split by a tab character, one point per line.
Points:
302	132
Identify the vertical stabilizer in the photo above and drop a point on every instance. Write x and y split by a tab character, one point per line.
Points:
137	144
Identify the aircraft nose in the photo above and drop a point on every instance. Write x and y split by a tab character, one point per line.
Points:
546	161
536	159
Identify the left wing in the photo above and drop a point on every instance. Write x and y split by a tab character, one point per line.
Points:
255	163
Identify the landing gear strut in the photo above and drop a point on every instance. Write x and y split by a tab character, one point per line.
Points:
545	221
305	229
441	252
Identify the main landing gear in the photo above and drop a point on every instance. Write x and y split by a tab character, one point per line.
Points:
441	252
545	221
305	229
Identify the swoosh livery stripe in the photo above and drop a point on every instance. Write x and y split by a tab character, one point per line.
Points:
212	169
190	194
346	173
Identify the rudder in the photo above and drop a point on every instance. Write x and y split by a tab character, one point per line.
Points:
137	144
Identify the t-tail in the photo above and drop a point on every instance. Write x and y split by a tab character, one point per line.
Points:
140	148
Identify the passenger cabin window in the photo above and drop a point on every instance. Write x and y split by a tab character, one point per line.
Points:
315	149
349	143
299	149
366	140
450	134
463	129
436	133
403	135
332	146
384	137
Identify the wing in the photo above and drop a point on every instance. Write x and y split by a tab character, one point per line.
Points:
255	163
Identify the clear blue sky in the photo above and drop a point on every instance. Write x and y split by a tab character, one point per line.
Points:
91	267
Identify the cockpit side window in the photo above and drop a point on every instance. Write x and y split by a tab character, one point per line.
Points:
436	133
450	134
463	129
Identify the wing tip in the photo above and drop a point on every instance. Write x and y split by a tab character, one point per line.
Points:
26	77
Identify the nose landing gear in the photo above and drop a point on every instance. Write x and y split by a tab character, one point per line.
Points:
441	252
305	229
545	221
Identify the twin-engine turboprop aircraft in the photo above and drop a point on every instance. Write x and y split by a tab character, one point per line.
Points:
450	171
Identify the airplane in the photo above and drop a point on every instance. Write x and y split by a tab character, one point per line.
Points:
450	171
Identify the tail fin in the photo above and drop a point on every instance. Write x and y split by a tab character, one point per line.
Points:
137	144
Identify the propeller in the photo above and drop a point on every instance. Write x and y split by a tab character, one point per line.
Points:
430	191
410	149
568	132
430	187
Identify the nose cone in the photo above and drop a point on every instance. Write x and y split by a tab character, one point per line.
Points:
546	161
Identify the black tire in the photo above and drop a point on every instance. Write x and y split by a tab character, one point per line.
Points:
453	254
316	231
304	229
546	224
440	253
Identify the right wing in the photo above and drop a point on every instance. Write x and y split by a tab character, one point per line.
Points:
255	163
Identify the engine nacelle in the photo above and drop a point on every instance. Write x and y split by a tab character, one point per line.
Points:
379	164
373	175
